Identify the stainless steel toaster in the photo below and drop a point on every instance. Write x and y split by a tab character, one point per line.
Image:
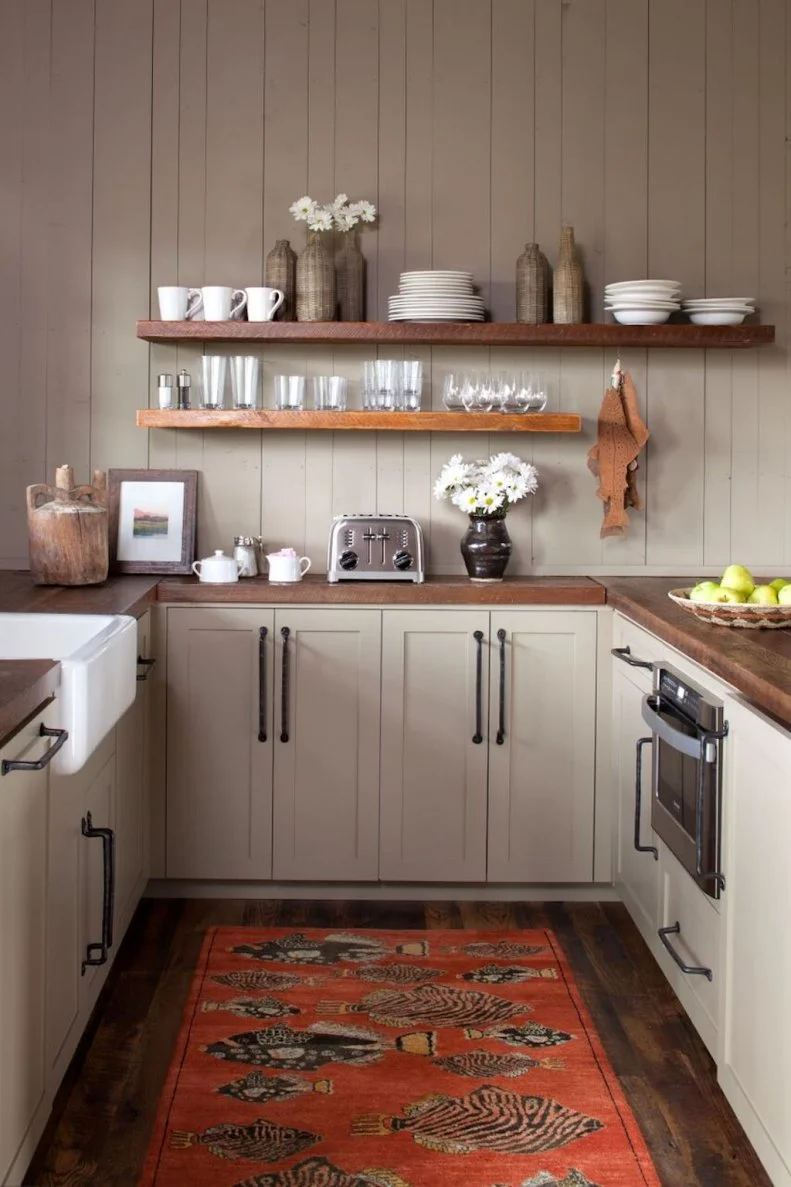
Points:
375	548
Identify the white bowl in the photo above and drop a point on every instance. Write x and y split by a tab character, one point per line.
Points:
717	317
641	317
639	285
718	302
617	303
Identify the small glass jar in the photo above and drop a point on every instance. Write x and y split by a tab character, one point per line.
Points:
244	552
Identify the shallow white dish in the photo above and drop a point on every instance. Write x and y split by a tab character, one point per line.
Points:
618	304
643	295
717	317
641	317
641	284
437	272
718	302
423	317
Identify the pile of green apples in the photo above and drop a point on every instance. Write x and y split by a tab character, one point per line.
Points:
737	586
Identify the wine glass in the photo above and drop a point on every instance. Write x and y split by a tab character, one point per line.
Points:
469	391
451	392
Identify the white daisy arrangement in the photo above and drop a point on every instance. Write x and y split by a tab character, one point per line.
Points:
486	487
340	215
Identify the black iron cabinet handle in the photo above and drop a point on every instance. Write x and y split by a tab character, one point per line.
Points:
696	970
284	634
501	720
625	653
97	953
39	764
262	634
147	665
477	737
638	799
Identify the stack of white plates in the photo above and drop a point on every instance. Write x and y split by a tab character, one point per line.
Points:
435	296
719	311
642	302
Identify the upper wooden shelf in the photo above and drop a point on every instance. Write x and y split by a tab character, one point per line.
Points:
457	333
400	422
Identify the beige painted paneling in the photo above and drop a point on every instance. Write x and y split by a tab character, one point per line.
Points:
656	127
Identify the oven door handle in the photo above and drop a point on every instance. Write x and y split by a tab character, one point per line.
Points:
675	738
638	799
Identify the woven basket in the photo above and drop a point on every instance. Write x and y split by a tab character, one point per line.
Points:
315	282
350	278
739	614
281	273
531	286
568	282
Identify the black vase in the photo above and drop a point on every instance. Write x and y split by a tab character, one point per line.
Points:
486	547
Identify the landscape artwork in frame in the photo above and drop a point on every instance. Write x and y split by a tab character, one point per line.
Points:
152	520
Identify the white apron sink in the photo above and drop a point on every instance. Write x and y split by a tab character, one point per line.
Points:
98	659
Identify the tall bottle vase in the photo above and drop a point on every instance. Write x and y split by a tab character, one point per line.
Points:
350	278
315	281
568	283
280	272
486	548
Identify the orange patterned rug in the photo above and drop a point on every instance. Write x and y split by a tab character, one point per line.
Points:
390	1059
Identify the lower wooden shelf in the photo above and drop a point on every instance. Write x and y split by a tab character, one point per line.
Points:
397	422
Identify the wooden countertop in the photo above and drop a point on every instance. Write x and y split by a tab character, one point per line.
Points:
436	591
25	685
116	595
757	663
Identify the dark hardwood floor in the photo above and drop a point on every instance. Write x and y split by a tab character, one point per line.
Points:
105	1111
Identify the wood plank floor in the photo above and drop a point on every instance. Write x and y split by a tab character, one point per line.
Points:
105	1110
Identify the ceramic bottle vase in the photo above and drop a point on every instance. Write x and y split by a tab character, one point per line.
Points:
486	548
280	272
350	278
315	281
532	288
568	282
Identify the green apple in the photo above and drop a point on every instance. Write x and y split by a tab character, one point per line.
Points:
706	591
778	583
763	595
740	579
784	596
733	596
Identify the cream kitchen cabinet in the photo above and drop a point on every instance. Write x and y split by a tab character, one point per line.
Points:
23	928
754	1063
273	743
488	745
132	756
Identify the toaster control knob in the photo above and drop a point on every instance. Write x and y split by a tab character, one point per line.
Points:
348	560
403	560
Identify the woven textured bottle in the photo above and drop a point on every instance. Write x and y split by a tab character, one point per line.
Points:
315	282
531	286
280	272
567	287
350	278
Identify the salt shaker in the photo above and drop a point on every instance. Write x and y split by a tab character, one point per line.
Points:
165	390
244	553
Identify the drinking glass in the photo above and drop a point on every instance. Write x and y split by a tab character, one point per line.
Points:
329	392
382	384
538	392
451	392
245	373
290	392
411	385
468	389
215	367
487	394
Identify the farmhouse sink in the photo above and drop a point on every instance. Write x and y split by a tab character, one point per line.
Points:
98	659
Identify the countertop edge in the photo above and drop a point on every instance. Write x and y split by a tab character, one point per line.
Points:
36	681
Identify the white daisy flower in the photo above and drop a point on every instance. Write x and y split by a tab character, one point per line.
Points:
320	220
530	475
344	221
302	209
491	500
500	461
340	200
365	210
466	499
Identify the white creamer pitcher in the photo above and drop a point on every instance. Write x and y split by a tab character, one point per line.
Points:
287	566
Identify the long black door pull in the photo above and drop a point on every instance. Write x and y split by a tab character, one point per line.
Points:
477	737
97	953
500	739
284	634
262	634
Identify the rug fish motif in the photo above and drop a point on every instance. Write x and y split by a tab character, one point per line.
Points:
318	1172
434	1005
261	1139
257	1088
488	1118
281	1046
498	974
330	1057
298	948
483	1065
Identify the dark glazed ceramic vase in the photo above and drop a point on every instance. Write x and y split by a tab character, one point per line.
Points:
486	547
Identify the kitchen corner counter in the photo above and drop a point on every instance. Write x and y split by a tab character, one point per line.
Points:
755	662
25	685
117	595
435	591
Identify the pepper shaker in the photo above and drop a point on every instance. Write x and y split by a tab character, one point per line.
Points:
183	388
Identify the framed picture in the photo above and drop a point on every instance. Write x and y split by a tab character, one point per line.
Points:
152	520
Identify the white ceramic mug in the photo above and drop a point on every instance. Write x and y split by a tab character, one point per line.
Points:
178	303
221	303
287	568
263	303
218	569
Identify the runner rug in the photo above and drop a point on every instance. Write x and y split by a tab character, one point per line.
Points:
390	1059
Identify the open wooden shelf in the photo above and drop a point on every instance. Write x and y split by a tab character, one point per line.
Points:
457	333
398	422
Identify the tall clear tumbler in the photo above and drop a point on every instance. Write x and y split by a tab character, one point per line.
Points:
215	367
245	375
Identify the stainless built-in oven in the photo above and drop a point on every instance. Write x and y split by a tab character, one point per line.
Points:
687	733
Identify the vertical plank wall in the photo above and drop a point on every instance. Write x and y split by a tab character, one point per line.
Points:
162	141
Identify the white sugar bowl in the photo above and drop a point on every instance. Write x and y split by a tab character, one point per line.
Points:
217	569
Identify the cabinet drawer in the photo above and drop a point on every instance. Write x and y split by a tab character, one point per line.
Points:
697	944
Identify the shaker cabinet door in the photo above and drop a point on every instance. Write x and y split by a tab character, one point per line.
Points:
219	747
132	792
541	775
326	744
434	745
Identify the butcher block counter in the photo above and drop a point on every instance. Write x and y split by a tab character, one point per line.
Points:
756	662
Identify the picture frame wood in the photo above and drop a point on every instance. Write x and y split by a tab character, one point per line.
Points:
152	520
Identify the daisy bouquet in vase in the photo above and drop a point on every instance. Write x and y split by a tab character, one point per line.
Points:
343	280
486	490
